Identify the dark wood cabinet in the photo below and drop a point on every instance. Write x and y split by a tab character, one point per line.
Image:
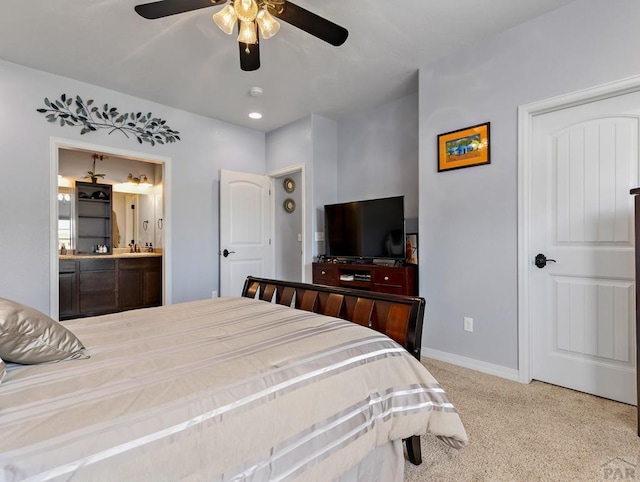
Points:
152	287
326	274
93	217
399	280
129	286
68	291
96	286
139	282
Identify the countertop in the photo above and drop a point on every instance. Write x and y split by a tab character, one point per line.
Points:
116	255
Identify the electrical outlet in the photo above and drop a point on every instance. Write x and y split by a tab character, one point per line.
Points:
214	294
468	324
319	235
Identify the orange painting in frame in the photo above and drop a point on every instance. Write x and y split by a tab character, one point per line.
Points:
464	148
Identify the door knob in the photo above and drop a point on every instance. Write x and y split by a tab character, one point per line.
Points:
542	260
226	252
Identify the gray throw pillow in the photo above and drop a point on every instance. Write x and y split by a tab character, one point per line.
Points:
28	336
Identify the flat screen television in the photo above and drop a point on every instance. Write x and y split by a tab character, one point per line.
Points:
369	229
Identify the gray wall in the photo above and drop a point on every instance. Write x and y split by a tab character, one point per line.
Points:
289	145
373	153
378	154
25	200
311	141
468	217
325	172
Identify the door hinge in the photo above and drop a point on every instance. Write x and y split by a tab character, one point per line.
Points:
269	240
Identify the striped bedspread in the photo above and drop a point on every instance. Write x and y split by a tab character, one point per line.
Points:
220	389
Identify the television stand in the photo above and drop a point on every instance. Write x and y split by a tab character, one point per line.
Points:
362	261
399	280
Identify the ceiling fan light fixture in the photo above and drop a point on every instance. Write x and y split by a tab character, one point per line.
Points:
269	26
252	22
246	10
248	33
226	19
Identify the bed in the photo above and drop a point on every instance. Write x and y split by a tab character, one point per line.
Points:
281	383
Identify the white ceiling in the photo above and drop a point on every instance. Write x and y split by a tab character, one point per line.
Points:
185	61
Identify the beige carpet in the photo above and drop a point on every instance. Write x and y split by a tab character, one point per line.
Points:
533	432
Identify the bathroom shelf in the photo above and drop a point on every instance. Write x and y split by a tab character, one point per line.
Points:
93	217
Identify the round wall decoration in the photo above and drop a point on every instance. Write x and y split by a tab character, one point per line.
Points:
289	184
289	205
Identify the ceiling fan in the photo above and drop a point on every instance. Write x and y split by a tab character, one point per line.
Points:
251	16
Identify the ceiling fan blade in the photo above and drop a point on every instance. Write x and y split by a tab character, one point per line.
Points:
249	60
166	8
311	23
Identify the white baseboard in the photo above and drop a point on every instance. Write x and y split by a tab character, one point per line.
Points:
463	361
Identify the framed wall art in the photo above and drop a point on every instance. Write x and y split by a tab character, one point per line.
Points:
412	248
289	205
464	148
289	184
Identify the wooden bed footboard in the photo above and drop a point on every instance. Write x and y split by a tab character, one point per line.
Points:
398	317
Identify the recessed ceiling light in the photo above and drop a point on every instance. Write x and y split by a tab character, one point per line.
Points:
255	115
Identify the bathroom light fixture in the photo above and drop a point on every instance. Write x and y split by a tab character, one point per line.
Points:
64	181
144	181
141	181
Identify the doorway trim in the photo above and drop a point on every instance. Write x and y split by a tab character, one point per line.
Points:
526	114
55	144
306	236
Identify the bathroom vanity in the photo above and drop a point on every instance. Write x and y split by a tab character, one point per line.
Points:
99	284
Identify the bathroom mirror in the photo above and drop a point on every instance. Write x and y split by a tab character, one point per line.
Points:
138	218
66	214
135	215
124	218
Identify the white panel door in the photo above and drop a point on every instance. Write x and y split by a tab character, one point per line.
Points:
585	161
245	225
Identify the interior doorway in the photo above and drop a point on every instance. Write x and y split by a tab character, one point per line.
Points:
289	223
145	222
579	158
246	247
262	226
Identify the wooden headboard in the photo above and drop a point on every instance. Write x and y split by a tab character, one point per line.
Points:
398	317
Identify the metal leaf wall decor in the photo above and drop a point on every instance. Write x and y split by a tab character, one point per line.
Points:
70	111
